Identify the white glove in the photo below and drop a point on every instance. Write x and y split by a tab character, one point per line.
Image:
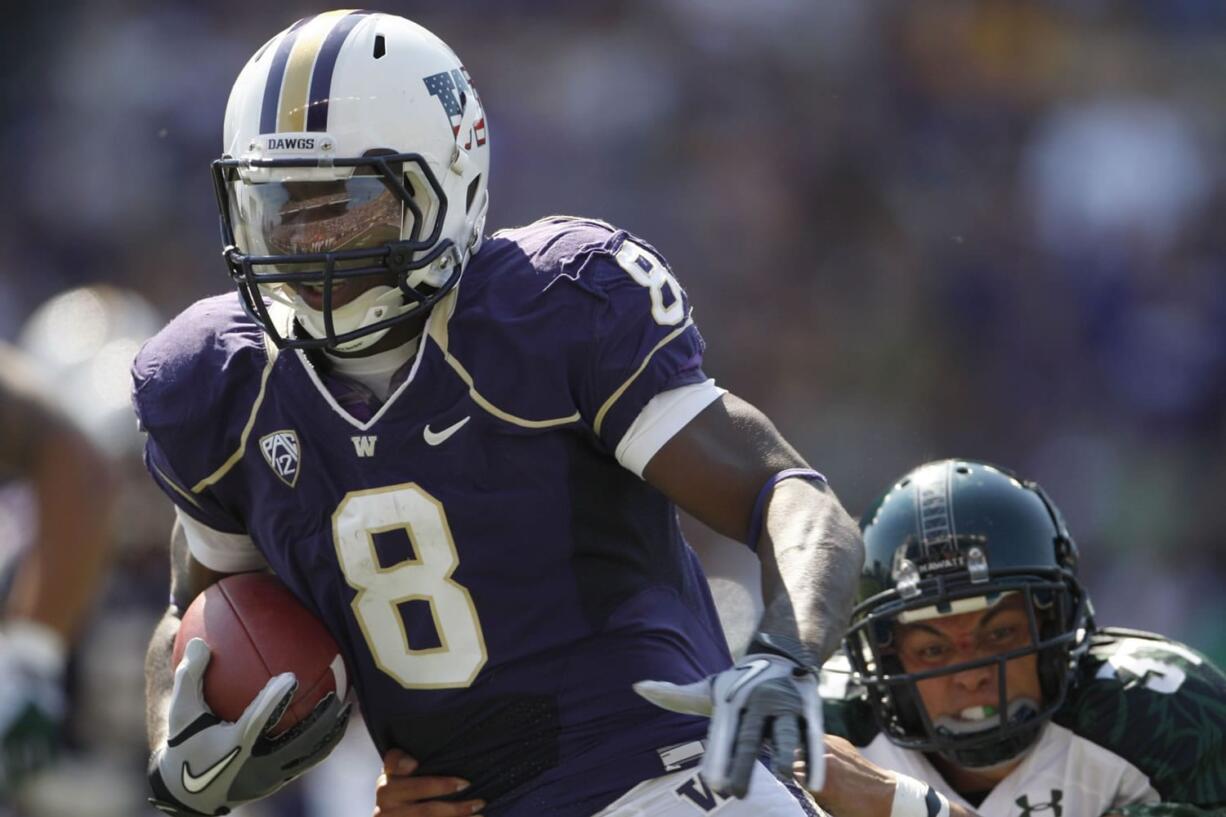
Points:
761	692
32	661
209	765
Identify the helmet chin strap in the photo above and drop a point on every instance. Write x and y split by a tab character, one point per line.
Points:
375	304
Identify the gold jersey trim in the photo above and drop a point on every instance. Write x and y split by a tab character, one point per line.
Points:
437	330
613	398
174	485
242	440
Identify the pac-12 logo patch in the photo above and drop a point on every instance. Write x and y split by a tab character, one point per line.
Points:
282	453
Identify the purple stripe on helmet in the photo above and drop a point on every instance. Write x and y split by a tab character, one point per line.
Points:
321	74
276	73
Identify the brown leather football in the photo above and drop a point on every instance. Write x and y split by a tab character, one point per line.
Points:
257	629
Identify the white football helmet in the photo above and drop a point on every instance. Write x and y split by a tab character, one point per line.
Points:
356	147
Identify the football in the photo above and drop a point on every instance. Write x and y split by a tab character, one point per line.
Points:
256	629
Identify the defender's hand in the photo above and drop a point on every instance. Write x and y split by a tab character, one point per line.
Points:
31	704
209	765
854	787
759	689
399	794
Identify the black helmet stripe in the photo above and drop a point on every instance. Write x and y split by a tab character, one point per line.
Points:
321	74
276	73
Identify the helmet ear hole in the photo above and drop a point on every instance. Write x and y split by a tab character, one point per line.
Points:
472	192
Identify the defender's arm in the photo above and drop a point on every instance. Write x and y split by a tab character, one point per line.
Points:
55	579
55	582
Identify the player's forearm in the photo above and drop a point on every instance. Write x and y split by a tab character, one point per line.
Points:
811	555
159	668
54	583
56	580
160	676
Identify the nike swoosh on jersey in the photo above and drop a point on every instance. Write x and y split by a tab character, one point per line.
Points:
438	437
198	783
755	668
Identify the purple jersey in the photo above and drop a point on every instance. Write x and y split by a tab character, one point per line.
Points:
496	580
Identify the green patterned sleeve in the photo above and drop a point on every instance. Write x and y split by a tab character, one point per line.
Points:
1162	707
1167	810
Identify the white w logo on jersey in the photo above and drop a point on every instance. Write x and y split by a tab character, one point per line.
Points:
364	446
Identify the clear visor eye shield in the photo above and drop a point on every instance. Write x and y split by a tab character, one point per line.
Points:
317	221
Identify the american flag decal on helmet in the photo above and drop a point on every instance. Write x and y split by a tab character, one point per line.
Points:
449	87
283	454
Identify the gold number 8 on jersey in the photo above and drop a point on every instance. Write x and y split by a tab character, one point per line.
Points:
359	517
650	272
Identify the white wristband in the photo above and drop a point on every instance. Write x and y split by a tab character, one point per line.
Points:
913	798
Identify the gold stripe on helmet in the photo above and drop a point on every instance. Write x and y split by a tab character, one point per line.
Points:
295	87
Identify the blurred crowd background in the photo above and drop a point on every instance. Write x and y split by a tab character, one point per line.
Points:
910	230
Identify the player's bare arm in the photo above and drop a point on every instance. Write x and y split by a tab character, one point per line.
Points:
54	585
856	787
55	580
188	579
732	469
810	547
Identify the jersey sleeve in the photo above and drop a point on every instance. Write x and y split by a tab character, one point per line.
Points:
663	416
571	322
185	382
643	341
1159	705
217	550
199	505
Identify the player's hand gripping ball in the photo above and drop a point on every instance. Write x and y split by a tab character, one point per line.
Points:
258	698
256	629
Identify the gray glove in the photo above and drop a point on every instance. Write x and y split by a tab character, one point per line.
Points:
762	699
209	765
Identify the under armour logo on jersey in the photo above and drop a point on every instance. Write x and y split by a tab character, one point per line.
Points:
364	446
454	89
696	791
1052	805
282	453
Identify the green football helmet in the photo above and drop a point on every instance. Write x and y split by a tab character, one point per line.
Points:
952	537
